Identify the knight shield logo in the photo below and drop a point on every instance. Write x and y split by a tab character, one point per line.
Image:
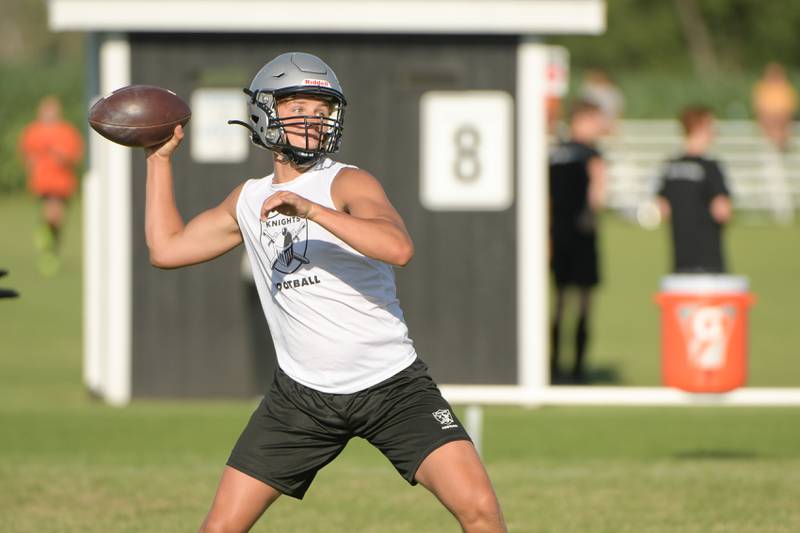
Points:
285	241
445	418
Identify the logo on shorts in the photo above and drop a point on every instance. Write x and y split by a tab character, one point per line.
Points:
445	418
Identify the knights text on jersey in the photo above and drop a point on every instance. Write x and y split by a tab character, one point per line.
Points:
333	313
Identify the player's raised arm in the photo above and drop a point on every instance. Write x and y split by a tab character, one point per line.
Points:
364	218
172	243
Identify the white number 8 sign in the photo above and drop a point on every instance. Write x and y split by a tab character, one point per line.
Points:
466	150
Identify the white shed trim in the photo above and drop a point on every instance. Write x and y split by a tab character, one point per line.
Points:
513	17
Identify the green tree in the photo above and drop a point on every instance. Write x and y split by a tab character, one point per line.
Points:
649	34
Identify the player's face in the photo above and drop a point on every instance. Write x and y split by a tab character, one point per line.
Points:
302	116
706	130
591	125
599	123
49	110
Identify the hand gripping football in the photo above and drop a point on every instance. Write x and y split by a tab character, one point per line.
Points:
139	115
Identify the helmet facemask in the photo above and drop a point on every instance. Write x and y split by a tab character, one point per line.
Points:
270	131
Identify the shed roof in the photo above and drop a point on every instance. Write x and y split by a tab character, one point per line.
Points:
508	17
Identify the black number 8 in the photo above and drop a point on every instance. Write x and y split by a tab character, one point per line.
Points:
467	166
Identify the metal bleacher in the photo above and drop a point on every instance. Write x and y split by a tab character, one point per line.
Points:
761	178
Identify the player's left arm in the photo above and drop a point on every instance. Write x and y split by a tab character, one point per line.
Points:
661	195
598	179
720	207
364	218
26	148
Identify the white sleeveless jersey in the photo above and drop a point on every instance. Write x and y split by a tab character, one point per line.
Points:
333	312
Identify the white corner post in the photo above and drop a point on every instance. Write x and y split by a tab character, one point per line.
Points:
532	319
474	426
107	245
93	236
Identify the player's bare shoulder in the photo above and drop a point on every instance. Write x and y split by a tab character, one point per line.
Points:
354	177
351	183
230	202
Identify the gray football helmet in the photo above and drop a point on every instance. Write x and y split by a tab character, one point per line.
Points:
291	74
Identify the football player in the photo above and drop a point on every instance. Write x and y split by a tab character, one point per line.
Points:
322	238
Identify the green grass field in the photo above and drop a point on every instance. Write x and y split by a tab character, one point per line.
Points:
71	464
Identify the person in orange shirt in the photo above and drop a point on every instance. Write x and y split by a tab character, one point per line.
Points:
775	103
51	148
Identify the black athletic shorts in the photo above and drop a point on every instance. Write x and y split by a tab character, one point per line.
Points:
574	261
295	431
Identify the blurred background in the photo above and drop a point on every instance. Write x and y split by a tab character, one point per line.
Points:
71	463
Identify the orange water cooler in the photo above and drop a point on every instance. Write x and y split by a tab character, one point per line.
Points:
704	331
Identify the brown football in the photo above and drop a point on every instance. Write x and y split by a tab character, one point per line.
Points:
139	115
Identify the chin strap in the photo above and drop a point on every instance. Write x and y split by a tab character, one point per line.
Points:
253	134
298	160
290	154
242	123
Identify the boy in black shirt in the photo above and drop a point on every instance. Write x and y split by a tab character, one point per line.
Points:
577	193
693	194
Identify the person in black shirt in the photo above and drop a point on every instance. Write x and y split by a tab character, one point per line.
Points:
577	193
694	196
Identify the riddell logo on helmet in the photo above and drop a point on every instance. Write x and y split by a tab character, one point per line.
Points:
319	83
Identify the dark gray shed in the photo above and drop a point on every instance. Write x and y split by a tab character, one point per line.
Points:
447	110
